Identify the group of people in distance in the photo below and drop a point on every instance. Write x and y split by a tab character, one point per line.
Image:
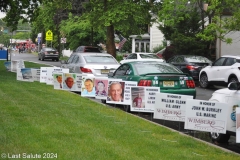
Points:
115	92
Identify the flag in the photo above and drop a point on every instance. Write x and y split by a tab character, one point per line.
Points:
122	41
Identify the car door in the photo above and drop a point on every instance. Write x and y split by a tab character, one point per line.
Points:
123	72
216	71
69	63
227	68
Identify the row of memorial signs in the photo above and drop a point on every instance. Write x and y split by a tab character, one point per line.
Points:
198	115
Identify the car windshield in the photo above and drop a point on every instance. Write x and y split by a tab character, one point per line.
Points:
99	59
49	49
155	68
197	59
149	56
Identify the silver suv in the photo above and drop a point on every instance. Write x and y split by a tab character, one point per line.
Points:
224	70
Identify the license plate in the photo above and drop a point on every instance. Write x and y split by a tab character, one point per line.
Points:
104	71
168	83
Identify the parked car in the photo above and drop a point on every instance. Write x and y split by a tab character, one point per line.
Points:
230	96
190	64
224	70
88	49
158	74
48	53
98	64
141	57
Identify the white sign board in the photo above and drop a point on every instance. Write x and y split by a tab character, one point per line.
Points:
36	74
206	116
238	125
170	106
101	87
143	98
88	89
15	64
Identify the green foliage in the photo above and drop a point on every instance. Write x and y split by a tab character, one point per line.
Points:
79	31
22	35
158	48
182	26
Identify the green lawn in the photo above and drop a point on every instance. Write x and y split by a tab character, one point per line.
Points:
36	119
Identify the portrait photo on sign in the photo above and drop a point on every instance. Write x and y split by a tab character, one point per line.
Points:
69	81
238	119
101	88
57	80
88	88
115	91
138	97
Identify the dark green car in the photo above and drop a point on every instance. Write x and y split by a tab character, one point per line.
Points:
158	74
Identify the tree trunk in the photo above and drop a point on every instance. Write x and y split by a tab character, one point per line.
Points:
110	44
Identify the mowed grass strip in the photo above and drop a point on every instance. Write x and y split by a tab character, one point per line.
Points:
36	119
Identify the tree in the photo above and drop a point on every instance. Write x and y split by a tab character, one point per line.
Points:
123	16
211	24
18	9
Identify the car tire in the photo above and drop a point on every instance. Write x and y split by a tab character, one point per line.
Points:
233	79
57	59
203	81
218	137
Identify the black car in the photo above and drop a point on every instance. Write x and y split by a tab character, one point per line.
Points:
190	64
48	53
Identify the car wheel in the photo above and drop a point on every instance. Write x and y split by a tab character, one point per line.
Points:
220	138
57	59
233	79
53	59
103	101
204	81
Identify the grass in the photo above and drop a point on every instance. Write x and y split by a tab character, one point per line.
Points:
36	119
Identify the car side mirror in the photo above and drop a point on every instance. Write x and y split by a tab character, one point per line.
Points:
63	62
234	86
110	74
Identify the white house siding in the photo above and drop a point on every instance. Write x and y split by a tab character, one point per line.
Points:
156	36
222	48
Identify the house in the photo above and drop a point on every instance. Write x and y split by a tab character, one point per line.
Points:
148	41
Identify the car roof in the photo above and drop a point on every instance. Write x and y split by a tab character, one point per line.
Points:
232	56
145	62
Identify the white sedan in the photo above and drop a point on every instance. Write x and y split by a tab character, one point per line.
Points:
230	96
141	57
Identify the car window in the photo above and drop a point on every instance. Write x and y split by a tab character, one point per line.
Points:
49	49
219	62
179	59
70	59
238	60
79	49
132	56
75	59
197	59
149	56
230	61
89	49
172	59
155	68
122	70
99	59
